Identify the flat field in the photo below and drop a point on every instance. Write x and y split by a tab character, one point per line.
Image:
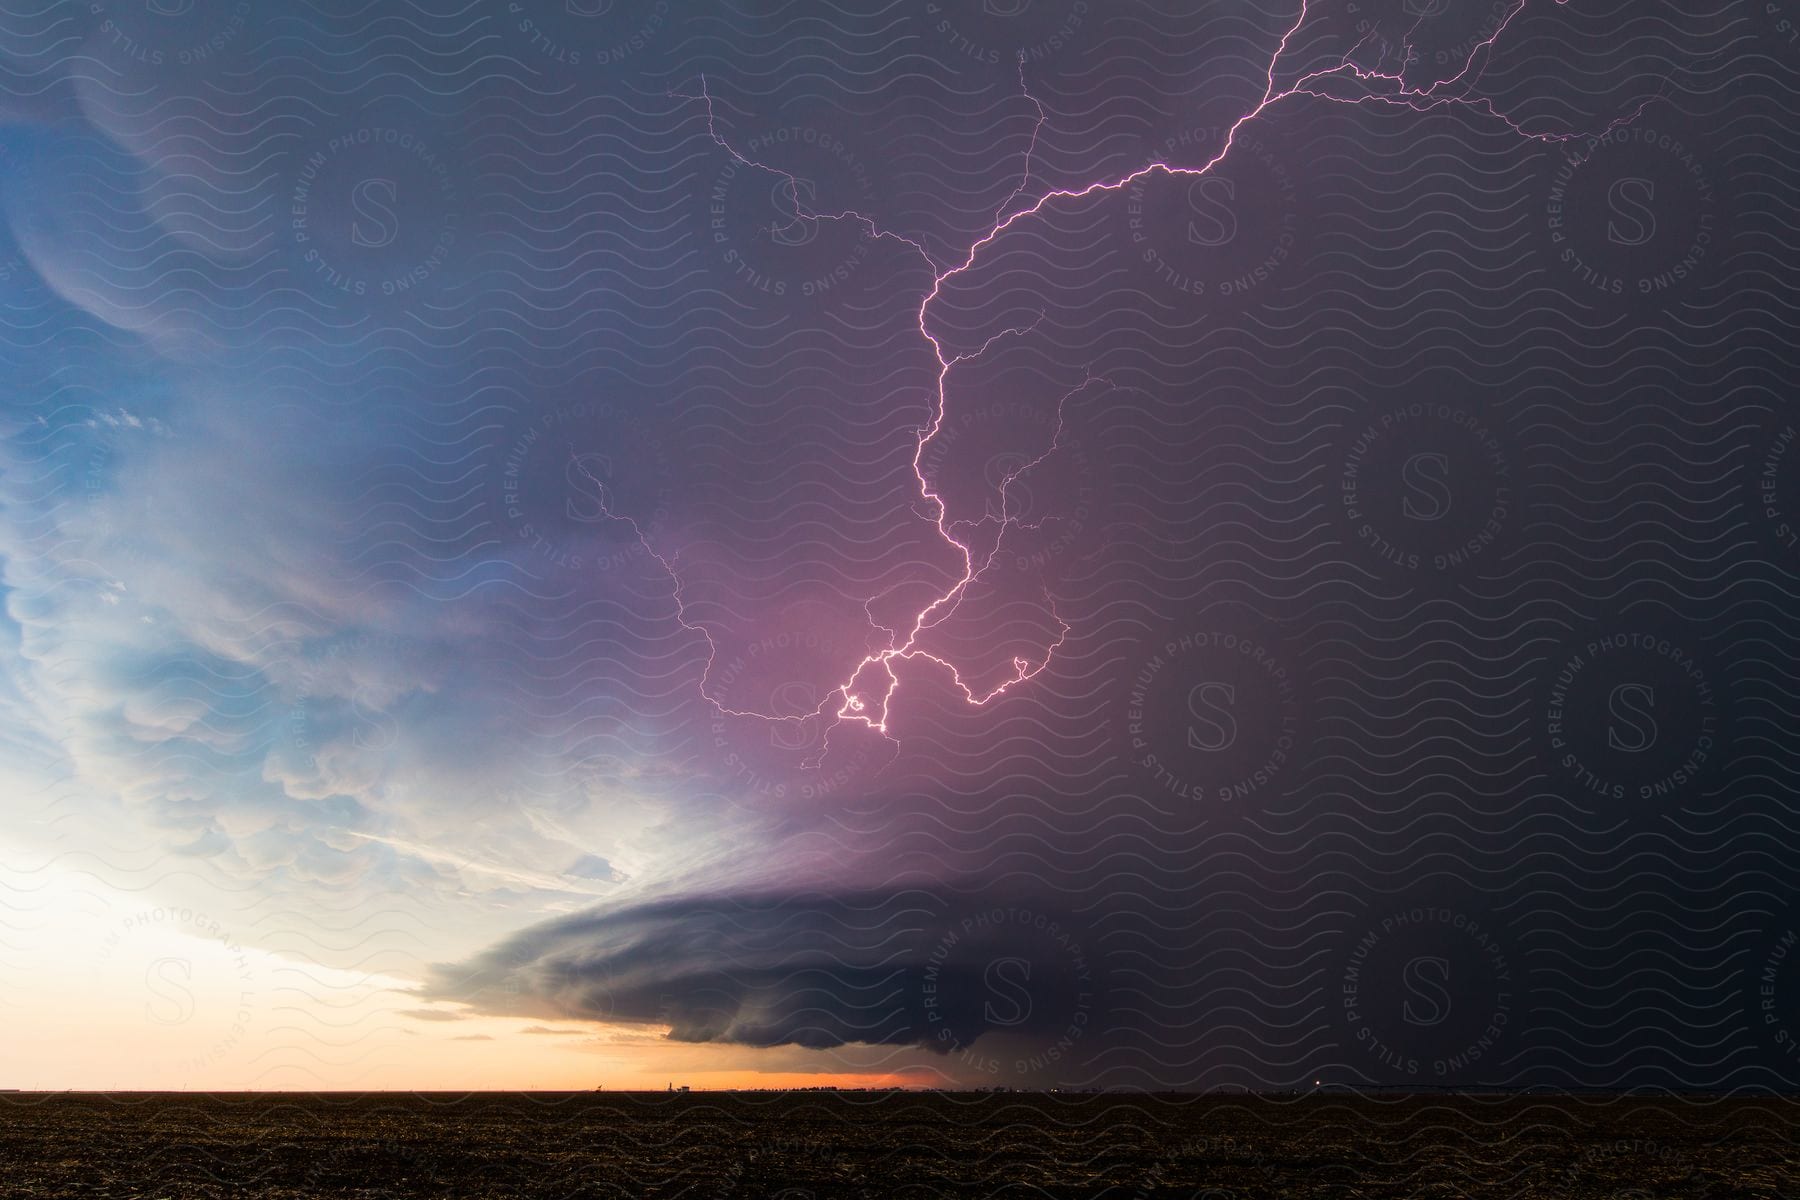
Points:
909	1144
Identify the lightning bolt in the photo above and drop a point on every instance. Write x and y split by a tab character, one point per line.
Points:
866	694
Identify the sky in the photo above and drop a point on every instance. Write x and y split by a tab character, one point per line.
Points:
1000	543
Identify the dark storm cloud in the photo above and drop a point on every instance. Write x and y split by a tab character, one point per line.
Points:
816	970
1428	575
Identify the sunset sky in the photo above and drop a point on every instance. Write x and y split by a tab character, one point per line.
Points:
494	599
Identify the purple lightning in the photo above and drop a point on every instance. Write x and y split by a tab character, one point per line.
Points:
868	703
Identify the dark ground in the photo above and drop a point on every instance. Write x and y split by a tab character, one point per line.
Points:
891	1144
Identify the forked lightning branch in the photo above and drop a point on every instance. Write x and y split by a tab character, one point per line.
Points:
868	686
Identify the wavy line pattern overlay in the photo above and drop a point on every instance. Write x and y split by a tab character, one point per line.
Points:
987	544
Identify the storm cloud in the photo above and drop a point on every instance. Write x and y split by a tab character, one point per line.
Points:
449	502
818	970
